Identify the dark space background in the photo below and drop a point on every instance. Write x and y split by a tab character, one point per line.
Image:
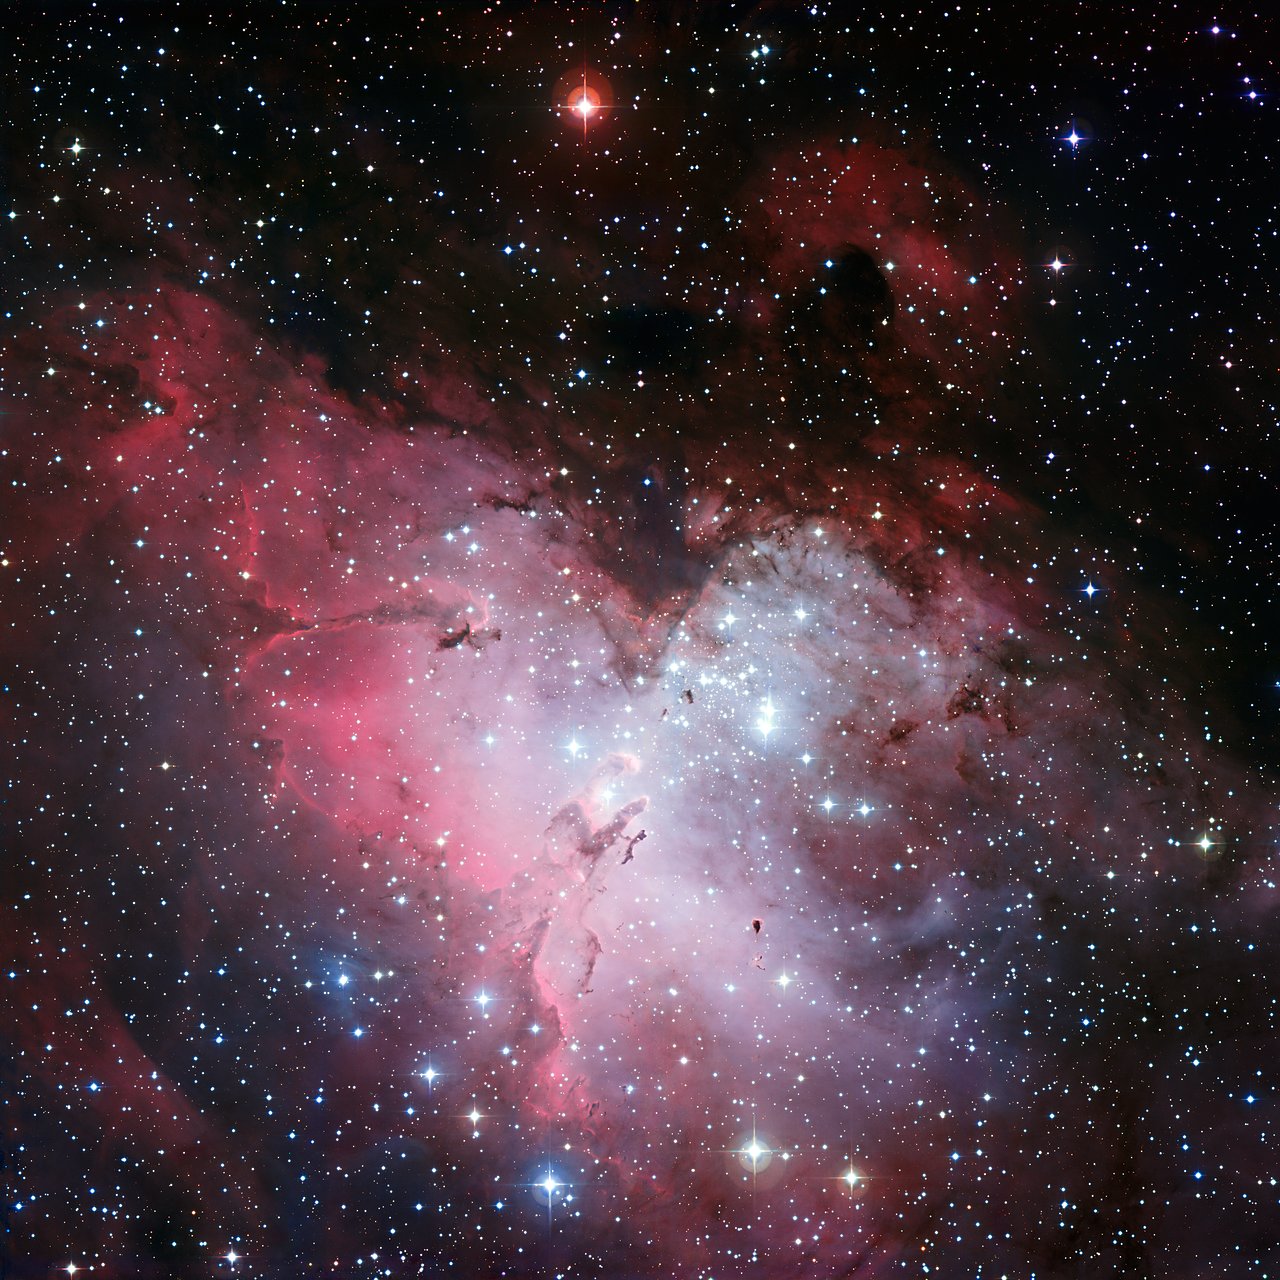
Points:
685	690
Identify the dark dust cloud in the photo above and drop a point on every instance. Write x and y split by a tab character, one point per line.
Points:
638	641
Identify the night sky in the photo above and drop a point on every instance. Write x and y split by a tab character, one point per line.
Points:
640	641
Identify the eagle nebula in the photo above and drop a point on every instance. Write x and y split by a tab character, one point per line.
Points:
638	643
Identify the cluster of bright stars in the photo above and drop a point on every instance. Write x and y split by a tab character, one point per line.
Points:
757	1155
765	723
863	809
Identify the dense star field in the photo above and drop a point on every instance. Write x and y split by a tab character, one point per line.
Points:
639	641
